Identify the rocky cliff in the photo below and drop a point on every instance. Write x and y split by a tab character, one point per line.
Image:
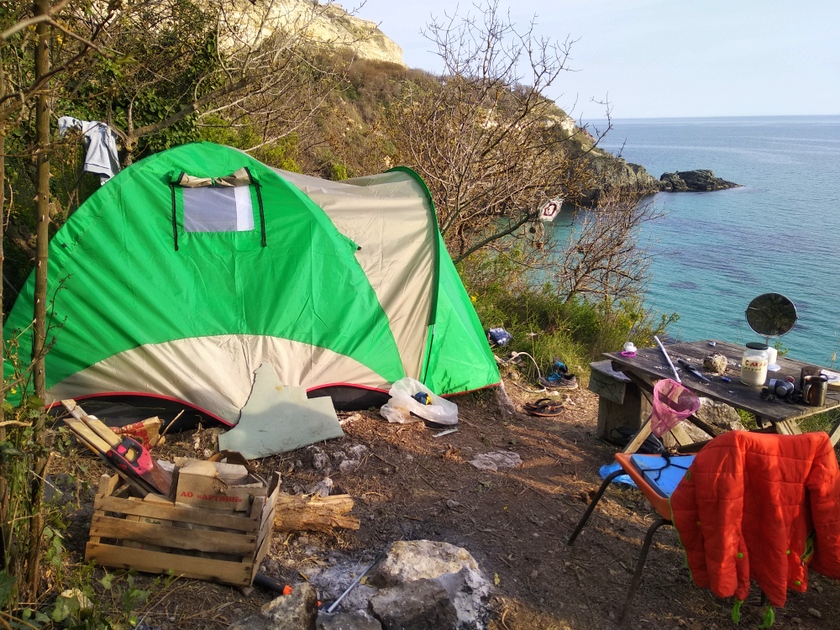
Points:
612	175
254	21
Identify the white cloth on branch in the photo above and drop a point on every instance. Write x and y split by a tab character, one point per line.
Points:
101	157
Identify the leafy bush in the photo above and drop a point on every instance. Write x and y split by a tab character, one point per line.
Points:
545	326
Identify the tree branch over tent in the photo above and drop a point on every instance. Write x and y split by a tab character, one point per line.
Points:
184	66
487	140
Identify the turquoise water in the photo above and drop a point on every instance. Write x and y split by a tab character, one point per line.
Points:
715	251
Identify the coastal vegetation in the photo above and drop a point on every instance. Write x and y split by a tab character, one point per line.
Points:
484	136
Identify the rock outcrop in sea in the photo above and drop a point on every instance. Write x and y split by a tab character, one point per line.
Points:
613	175
693	181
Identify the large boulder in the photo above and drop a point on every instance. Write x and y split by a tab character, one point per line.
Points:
417	605
415	584
452	567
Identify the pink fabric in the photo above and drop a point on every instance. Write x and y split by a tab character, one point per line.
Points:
672	403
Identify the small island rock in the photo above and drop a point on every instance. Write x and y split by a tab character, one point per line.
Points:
693	181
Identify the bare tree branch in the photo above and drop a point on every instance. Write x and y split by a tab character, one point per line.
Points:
37	19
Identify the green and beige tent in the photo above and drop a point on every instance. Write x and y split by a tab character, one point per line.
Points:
192	268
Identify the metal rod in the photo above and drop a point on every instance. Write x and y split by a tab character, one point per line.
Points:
604	485
640	565
358	579
665	352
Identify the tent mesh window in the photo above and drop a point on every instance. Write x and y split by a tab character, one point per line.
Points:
218	209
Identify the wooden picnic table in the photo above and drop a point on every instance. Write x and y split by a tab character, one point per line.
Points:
649	365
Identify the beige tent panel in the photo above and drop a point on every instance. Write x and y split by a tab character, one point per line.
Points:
229	360
388	217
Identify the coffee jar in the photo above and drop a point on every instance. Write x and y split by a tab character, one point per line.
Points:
754	364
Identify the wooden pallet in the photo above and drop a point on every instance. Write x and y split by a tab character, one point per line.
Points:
156	536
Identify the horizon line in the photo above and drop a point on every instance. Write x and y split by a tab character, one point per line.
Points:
717	117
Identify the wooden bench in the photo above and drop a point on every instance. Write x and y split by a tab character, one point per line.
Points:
621	402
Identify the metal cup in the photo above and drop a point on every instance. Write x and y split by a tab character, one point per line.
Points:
814	390
808	370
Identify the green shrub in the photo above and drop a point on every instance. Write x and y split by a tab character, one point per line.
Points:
338	172
545	326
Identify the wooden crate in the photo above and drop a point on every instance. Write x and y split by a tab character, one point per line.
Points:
156	536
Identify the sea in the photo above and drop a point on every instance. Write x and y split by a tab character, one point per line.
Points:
713	252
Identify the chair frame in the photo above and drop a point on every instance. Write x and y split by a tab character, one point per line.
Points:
659	503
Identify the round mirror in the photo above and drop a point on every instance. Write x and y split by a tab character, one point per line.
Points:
771	314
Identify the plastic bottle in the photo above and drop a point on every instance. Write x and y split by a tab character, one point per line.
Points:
754	364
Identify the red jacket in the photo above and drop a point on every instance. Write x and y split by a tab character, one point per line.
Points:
746	507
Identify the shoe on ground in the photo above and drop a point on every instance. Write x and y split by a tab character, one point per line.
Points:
557	380
557	365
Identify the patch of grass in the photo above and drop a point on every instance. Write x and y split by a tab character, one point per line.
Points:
820	422
747	419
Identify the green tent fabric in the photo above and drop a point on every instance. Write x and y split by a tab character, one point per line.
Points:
190	269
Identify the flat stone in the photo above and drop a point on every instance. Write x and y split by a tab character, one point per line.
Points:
418	605
346	621
495	460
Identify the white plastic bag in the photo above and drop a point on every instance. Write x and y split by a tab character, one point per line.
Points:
402	405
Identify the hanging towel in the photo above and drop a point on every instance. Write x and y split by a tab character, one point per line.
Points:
101	157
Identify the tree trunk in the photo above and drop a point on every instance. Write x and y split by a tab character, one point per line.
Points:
4	496
2	259
42	124
42	159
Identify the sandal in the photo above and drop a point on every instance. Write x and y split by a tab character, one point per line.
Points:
544	407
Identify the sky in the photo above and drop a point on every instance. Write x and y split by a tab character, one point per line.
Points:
661	58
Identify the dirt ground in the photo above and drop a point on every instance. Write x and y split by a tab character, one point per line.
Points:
515	522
